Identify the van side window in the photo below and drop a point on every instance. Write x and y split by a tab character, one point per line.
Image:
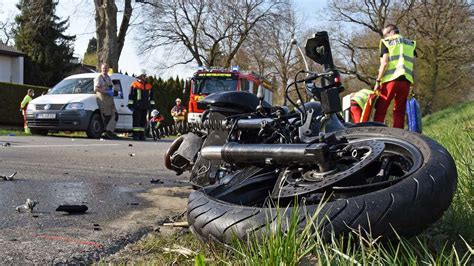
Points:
118	93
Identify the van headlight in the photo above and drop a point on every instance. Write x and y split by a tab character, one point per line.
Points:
74	106
31	107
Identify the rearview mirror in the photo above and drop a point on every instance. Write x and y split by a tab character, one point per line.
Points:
319	50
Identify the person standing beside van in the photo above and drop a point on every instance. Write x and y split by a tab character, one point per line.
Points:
24	105
102	87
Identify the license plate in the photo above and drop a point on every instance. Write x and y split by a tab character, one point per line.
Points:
46	116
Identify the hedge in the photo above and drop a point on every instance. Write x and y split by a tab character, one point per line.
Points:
11	95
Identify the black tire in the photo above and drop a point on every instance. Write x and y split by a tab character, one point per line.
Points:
408	206
38	131
96	127
366	124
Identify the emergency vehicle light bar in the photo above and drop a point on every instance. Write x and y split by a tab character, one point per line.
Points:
214	69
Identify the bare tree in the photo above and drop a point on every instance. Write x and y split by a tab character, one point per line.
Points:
278	38
444	46
207	32
6	34
109	43
446	49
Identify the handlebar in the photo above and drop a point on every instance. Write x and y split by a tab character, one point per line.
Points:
313	76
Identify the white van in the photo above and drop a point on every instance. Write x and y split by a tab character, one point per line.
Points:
71	105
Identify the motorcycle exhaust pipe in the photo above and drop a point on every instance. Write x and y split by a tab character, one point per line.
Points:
281	154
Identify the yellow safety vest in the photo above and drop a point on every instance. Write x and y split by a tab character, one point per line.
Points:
25	102
401	53
361	97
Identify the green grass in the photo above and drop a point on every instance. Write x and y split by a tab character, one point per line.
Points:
454	129
14	131
18	131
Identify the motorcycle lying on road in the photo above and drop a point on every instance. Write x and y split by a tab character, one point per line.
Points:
254	162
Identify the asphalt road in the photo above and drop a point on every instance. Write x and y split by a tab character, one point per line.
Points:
112	178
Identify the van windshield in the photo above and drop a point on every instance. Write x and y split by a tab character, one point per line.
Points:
74	86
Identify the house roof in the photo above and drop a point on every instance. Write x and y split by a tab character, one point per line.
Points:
7	50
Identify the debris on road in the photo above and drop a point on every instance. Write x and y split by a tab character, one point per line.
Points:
177	224
6	144
130	145
72	208
28	206
8	177
131	154
180	250
133	203
96	227
171	219
156	181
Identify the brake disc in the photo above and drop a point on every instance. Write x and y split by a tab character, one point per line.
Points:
288	186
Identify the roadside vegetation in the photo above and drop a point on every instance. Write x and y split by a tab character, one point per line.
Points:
448	242
12	131
17	131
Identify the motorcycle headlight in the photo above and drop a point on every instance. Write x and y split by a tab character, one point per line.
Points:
74	106
31	107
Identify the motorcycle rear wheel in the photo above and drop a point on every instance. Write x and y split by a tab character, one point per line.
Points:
405	207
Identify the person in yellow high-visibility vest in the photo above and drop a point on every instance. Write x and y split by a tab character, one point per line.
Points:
396	74
360	110
24	105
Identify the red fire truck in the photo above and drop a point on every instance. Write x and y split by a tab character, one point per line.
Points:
207	81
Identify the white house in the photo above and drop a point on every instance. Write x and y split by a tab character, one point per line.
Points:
11	64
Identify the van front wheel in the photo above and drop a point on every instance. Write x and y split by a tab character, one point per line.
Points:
96	127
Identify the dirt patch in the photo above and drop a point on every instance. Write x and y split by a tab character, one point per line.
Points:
165	203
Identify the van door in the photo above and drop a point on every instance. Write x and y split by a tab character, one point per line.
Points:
124	114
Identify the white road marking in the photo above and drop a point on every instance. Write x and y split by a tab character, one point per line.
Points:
67	145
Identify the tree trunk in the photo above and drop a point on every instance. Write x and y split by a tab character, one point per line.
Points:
99	29
109	45
127	14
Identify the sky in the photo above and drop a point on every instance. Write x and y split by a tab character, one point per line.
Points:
82	24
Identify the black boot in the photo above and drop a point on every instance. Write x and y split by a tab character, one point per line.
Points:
142	136
136	136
